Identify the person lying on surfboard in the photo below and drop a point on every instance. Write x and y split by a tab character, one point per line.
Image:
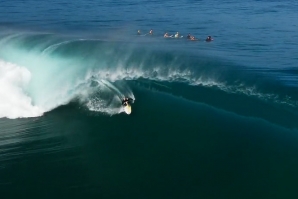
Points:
126	101
167	35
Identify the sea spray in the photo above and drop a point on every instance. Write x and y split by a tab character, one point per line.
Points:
14	101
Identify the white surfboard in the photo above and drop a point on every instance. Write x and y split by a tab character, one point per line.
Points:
177	37
127	109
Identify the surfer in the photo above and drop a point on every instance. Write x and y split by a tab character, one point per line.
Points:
126	101
151	32
166	35
209	38
192	38
177	35
188	36
139	32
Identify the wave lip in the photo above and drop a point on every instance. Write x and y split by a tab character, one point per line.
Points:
14	102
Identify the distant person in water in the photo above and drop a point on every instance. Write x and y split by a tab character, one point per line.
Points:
166	35
209	38
151	32
188	36
192	38
177	35
139	32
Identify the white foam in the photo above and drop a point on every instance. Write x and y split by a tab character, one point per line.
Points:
105	97
14	102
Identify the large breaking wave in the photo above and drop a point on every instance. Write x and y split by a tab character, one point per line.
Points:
40	72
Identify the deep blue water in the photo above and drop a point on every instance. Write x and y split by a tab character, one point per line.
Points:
210	119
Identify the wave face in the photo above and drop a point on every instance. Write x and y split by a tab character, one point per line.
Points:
41	72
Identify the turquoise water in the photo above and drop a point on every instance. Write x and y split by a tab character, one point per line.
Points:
210	119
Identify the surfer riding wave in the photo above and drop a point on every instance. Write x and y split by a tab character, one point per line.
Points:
126	101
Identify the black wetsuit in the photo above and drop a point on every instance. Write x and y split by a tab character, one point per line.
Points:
126	101
188	37
209	39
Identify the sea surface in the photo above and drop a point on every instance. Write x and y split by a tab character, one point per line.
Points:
210	120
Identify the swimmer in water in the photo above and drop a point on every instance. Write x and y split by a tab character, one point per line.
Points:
209	38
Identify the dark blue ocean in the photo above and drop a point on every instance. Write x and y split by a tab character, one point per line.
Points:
210	120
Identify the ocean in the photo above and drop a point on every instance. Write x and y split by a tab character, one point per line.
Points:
209	120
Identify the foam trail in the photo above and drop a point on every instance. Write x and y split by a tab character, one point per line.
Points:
14	102
103	96
112	87
54	46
